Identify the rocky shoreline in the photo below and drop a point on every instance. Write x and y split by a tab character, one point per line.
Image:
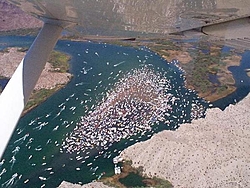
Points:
50	79
13	18
209	152
11	58
211	155
65	184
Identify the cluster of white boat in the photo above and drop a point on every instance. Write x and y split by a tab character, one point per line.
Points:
137	101
197	111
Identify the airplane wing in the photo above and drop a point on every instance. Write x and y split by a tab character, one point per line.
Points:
135	17
130	18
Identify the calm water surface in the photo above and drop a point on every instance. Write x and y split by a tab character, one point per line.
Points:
33	155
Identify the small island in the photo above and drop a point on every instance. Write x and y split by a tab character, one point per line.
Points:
54	76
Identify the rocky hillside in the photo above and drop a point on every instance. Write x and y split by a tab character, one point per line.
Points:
12	18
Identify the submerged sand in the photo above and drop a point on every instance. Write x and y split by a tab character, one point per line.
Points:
209	152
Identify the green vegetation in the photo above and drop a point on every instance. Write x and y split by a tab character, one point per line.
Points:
21	32
59	61
200	67
161	183
134	177
198	75
2	77
214	69
133	180
207	58
22	49
124	43
5	50
163	44
222	89
39	96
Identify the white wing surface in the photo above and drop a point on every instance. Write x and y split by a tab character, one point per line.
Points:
136	17
130	18
17	92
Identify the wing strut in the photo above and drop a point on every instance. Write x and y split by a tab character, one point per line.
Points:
16	94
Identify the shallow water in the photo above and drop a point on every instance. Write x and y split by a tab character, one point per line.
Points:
33	155
242	82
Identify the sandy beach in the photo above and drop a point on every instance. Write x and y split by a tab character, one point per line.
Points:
209	152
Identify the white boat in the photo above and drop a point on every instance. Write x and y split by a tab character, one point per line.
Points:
26	181
42	178
89	164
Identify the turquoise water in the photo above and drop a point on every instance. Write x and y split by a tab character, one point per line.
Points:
33	155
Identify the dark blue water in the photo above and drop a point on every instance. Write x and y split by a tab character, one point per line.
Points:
3	83
213	79
33	155
133	180
242	83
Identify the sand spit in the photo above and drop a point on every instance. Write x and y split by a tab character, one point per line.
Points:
209	152
65	184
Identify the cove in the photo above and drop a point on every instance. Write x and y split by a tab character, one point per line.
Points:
34	155
242	82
